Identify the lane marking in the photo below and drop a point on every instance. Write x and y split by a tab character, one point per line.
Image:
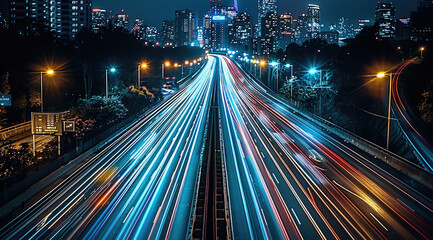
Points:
296	216
128	215
275	178
378	221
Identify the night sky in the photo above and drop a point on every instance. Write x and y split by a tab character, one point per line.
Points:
154	11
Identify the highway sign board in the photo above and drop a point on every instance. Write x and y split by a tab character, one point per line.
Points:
47	124
5	100
68	126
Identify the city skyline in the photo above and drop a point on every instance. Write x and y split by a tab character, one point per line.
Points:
153	13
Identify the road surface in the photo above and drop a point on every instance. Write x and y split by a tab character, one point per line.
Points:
139	187
289	179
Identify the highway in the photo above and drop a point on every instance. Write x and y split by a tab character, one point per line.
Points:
287	178
141	186
413	129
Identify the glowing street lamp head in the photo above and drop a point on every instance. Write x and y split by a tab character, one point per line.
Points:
422	48
50	72
288	65
195	61
313	71
263	63
381	75
144	65
112	70
167	64
273	64
186	62
176	65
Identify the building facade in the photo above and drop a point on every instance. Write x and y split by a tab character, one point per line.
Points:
385	17
185	26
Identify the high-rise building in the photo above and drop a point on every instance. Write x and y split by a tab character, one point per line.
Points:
26	14
185	26
167	35
63	18
402	29
385	17
121	20
332	37
3	22
362	23
301	33
264	7
99	19
313	25
138	29
240	32
421	22
151	34
270	33
286	30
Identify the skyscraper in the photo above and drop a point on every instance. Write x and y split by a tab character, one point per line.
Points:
313	21
385	17
270	33
99	19
286	30
421	22
121	20
240	32
185	25
265	6
138	29
63	18
167	35
26	14
151	34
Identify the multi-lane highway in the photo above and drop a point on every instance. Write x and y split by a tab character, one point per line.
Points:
141	186
287	178
412	127
284	177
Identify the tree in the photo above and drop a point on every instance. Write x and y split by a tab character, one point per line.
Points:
426	105
5	88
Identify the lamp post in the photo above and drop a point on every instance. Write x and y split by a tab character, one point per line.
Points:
314	71
291	69
164	65
140	66
262	64
422	50
382	75
112	70
48	72
276	65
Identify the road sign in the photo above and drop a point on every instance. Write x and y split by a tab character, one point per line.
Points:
68	126
47	124
5	100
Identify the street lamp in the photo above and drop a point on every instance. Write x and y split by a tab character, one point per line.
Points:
382	75
422	50
140	66
276	65
291	69
314	71
112	70
164	65
48	72
262	64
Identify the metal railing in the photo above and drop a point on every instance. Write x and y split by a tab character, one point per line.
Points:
13	131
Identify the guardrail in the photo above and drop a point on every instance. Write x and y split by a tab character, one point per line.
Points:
13	131
397	162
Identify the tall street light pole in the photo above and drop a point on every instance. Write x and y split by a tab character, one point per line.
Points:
382	75
113	70
49	72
